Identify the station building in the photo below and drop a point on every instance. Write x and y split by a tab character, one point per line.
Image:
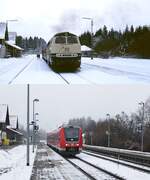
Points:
8	48
9	127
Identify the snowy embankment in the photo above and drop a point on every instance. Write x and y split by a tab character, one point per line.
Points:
126	69
13	163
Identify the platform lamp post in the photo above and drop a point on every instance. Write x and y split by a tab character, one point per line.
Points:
108	130
35	128
142	124
123	115
33	136
91	34
28	124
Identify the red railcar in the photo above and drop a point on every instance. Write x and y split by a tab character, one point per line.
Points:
66	139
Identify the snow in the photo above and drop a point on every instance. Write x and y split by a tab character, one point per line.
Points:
13	121
33	70
2	30
11	43
12	37
137	70
91	170
123	171
85	48
13	163
122	161
3	112
64	168
50	165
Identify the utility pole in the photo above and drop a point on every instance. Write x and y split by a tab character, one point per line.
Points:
108	131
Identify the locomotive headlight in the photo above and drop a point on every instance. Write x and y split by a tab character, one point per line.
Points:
67	144
77	144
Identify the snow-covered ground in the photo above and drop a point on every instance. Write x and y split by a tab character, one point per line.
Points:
13	163
32	70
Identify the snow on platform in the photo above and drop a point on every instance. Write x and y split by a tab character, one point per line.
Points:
50	165
13	163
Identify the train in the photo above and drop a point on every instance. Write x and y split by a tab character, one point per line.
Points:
63	51
67	140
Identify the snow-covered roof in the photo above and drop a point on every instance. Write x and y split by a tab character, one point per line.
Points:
13	121
10	43
2	30
12	37
17	132
3	112
85	48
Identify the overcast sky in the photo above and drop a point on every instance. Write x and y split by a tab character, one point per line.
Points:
46	17
60	103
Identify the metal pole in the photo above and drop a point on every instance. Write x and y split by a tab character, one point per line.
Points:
142	128
28	120
91	138
33	129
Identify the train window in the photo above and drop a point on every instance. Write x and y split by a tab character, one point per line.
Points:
72	40
60	40
72	134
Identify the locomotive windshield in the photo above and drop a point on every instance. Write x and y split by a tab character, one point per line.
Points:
72	40
60	40
71	134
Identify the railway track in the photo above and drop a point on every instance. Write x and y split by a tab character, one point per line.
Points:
92	171
75	78
121	162
13	78
67	82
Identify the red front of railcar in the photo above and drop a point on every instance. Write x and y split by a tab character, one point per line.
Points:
67	140
71	139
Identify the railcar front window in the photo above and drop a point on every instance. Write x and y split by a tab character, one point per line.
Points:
72	40
72	134
60	40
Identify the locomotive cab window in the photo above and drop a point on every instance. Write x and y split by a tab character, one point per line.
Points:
72	134
60	40
72	40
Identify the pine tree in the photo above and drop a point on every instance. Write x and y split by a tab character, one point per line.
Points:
6	33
